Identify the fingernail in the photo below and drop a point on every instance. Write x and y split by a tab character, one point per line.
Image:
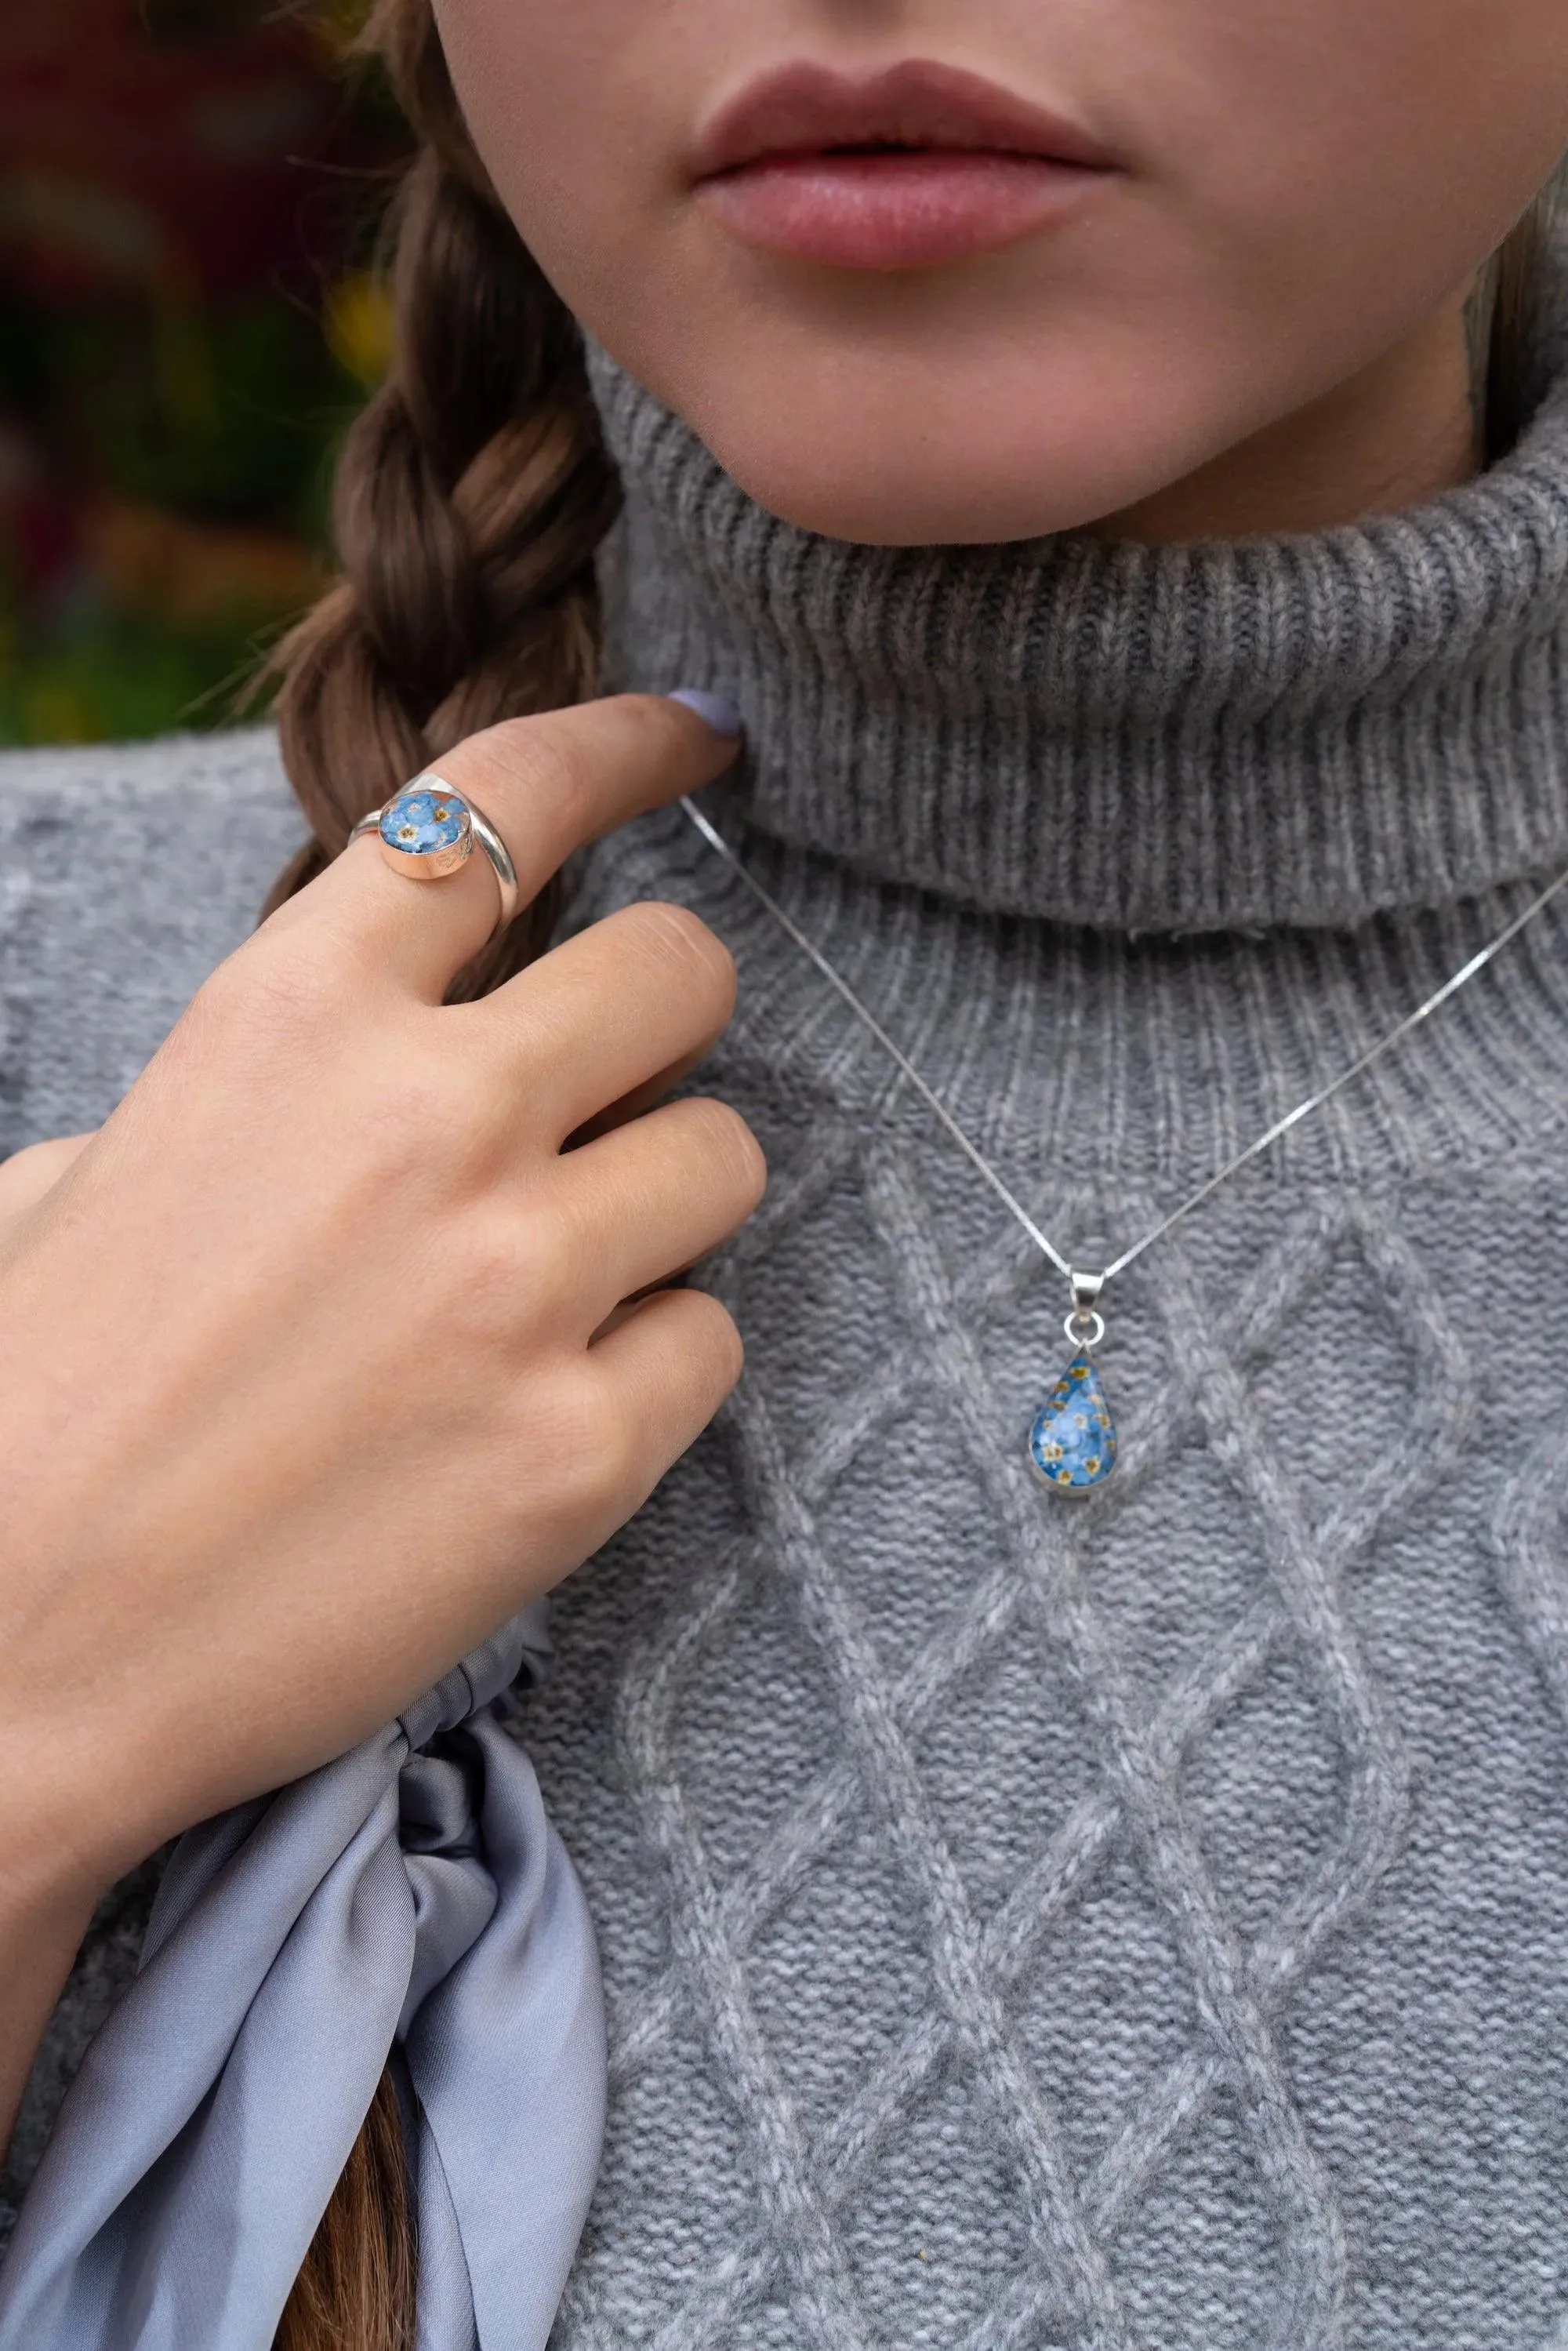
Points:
716	710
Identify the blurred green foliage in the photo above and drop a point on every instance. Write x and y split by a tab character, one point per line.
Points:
105	676
222	417
167	435
225	414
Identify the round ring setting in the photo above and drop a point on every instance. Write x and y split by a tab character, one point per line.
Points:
428	832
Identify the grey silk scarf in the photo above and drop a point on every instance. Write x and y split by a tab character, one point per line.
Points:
412	1891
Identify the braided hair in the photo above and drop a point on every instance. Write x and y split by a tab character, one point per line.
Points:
470	499
472	496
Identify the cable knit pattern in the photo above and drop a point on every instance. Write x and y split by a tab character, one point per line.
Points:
1097	1924
1139	1924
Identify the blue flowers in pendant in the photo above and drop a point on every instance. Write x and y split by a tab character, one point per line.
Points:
1073	1445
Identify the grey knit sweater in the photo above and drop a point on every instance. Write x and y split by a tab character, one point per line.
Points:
1142	1923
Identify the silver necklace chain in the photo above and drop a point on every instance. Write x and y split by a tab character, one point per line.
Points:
1087	1287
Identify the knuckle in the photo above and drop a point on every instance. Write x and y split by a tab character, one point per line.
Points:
542	762
458	1093
679	945
541	1268
504	1273
426	1111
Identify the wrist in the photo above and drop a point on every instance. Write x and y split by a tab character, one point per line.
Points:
75	1730
44	1914
71	1836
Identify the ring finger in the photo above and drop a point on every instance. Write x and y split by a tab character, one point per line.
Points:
654	1197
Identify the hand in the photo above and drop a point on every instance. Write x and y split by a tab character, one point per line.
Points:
310	1362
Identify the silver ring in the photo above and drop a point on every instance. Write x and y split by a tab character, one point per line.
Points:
428	832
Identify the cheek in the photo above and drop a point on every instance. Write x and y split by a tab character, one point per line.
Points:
576	111
1384	145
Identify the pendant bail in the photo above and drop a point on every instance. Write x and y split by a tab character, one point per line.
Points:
1085	1325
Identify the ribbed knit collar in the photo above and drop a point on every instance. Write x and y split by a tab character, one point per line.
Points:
1303	730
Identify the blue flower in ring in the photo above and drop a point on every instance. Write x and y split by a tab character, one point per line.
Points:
420	823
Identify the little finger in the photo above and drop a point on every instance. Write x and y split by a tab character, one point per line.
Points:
667	1366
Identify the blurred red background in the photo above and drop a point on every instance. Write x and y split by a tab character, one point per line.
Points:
185	323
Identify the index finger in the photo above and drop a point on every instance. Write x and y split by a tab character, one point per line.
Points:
548	785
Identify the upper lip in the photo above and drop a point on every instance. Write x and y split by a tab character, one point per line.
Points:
807	109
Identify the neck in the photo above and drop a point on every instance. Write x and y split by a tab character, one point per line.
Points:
1303	727
1401	431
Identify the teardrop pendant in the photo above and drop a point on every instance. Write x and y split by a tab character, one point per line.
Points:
1073	1445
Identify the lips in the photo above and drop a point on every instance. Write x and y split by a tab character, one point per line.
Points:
921	165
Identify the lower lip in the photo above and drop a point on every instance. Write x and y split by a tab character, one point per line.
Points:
896	211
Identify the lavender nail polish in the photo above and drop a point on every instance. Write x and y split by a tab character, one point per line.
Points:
717	710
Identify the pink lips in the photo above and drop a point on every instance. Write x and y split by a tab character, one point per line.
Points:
923	164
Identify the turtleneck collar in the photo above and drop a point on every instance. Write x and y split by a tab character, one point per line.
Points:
1302	730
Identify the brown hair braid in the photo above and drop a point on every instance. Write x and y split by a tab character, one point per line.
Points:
472	497
356	2289
1512	287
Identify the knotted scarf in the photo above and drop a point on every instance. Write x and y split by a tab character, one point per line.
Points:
414	1892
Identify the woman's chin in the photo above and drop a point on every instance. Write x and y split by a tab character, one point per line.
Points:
899	446
920	489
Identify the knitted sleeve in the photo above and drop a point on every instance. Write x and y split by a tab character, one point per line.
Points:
126	874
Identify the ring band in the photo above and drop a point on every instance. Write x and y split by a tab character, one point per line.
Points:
428	832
